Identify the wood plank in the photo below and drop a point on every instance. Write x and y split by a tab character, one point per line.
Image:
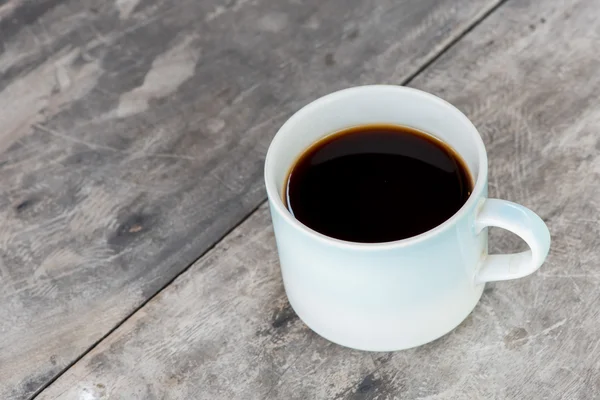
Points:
528	78
133	134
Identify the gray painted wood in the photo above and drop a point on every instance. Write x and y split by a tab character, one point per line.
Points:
528	77
133	134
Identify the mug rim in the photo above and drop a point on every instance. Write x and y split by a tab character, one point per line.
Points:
278	205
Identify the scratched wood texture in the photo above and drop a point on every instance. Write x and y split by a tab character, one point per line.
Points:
133	134
529	79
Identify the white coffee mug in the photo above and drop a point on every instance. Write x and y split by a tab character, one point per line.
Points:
394	295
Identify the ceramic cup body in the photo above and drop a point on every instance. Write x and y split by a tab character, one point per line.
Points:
394	295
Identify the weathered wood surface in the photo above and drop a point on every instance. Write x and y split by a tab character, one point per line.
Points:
132	138
528	77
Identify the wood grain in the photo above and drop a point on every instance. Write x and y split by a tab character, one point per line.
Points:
529	80
133	134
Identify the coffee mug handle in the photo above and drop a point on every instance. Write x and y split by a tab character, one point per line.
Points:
524	223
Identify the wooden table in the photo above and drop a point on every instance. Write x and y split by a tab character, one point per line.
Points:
137	259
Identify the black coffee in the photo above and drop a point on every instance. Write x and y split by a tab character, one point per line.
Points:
377	183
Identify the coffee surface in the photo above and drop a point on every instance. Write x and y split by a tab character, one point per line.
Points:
377	183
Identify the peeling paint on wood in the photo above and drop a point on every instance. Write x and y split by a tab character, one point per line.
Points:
132	138
224	330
